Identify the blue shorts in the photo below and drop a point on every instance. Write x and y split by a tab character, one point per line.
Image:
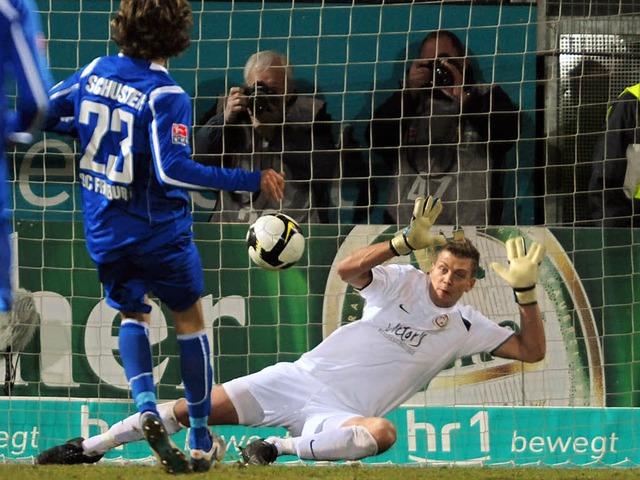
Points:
173	273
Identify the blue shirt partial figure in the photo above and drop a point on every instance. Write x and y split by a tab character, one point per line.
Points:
21	57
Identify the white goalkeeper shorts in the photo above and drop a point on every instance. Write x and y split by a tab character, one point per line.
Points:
283	395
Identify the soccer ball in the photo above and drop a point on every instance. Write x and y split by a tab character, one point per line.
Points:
275	241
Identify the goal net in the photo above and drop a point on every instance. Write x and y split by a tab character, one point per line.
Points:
515	158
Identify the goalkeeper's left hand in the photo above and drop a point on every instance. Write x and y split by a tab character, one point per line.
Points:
416	236
522	273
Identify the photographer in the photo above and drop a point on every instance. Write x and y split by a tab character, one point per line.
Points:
264	124
453	136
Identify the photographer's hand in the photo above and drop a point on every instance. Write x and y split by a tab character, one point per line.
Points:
456	92
236	104
419	76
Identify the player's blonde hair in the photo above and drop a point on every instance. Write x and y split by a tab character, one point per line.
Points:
463	248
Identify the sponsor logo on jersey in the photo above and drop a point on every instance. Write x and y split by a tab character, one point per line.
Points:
179	134
403	335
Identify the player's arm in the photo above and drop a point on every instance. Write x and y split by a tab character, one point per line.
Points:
529	344
60	117
356	268
169	131
32	76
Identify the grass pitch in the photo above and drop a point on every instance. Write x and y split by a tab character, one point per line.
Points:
351	472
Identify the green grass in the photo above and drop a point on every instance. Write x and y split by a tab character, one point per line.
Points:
359	472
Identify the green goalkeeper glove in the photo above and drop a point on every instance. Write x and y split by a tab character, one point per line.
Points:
522	273
416	236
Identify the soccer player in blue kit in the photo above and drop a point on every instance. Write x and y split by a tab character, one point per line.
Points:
133	122
21	56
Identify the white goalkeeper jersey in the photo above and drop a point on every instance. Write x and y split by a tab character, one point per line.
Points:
402	341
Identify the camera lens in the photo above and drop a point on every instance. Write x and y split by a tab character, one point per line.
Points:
257	100
442	76
260	104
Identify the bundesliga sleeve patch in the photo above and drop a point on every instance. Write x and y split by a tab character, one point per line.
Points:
179	134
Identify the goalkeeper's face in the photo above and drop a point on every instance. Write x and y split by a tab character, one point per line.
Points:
451	277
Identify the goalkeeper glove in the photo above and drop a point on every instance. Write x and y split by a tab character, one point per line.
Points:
416	236
522	273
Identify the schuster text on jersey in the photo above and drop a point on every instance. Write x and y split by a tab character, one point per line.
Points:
120	92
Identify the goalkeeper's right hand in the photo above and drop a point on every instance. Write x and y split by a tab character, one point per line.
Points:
416	236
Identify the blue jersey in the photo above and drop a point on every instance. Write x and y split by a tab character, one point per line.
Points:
134	122
21	62
21	44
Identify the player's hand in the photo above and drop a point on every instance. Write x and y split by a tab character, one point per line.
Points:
416	236
272	184
236	104
522	273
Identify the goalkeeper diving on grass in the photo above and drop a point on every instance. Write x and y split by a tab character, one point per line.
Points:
333	399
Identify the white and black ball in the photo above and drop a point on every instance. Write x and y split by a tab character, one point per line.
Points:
275	241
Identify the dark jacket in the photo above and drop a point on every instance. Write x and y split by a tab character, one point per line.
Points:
609	205
304	149
456	157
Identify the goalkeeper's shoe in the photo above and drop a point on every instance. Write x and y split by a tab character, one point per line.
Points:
259	452
70	453
201	460
168	454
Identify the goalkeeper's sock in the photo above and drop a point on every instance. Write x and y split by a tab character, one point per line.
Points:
135	350
284	446
125	431
128	431
344	443
197	375
168	416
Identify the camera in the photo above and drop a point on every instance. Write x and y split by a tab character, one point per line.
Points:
442	75
257	100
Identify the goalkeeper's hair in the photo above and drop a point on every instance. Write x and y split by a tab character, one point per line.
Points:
152	29
463	248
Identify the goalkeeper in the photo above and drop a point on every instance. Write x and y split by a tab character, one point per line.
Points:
333	398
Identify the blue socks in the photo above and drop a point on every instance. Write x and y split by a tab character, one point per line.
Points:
195	367
197	376
135	350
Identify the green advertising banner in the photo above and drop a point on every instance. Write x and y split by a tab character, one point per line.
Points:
565	408
437	436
